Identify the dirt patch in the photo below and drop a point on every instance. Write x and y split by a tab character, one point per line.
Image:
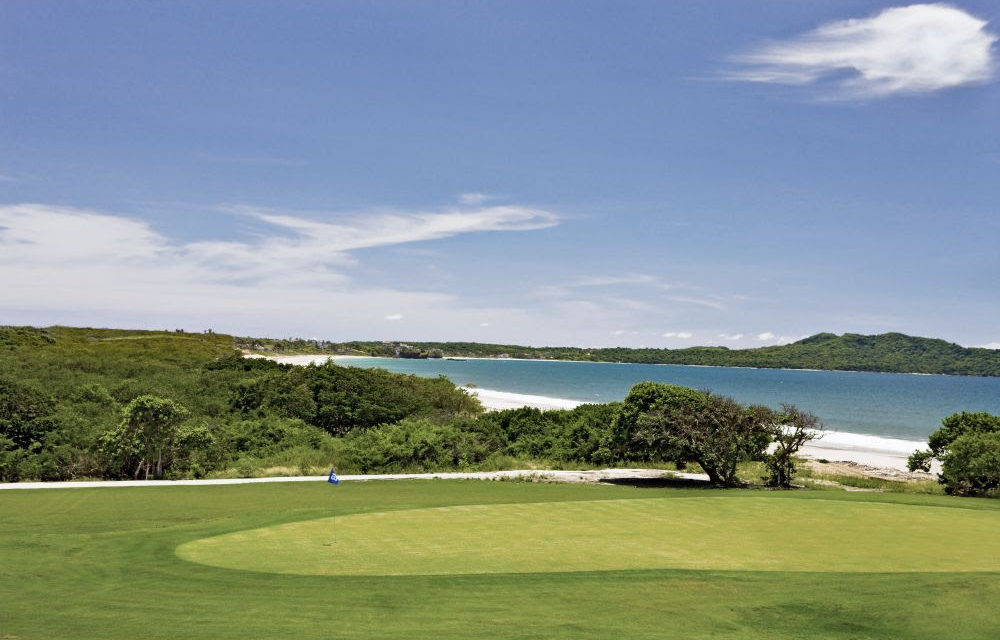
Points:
846	468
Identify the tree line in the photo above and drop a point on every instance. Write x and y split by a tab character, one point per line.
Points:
98	403
888	352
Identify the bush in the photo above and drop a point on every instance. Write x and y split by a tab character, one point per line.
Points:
268	435
558	435
24	413
419	445
972	464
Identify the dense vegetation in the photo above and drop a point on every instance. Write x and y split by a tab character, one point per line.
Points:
888	352
118	404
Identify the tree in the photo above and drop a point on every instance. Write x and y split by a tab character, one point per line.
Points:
972	464
627	441
790	430
146	437
968	446
672	423
682	425
952	427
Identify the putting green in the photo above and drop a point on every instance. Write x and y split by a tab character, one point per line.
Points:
721	533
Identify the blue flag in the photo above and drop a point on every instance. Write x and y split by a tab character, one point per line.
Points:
333	479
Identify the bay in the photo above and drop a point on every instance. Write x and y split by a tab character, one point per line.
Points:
888	405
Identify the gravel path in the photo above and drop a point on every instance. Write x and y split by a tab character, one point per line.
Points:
551	476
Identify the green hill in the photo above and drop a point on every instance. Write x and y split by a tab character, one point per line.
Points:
887	352
64	392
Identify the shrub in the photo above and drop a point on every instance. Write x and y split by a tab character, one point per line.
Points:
412	445
972	464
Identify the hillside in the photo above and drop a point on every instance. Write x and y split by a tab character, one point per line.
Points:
65	394
887	352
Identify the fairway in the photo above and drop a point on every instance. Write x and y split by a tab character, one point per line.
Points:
720	533
443	560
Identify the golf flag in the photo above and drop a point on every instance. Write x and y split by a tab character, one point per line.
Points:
333	479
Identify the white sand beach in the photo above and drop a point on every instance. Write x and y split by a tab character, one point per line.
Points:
835	446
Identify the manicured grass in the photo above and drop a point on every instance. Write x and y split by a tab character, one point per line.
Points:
103	563
680	533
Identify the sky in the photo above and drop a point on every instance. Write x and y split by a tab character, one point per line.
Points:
639	173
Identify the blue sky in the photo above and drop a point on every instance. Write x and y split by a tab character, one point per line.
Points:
586	173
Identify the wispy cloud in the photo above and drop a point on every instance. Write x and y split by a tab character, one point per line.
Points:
616	280
475	198
913	49
731	336
683	335
351	232
60	259
767	335
394	316
990	345
250	160
709	302
657	286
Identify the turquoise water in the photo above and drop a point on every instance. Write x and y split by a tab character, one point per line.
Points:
891	405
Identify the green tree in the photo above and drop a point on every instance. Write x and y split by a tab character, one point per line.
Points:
146	437
626	441
790	430
682	425
952	427
968	446
972	464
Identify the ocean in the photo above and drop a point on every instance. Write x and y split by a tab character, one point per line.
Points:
887	405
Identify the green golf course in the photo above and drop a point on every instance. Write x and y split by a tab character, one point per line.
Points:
464	559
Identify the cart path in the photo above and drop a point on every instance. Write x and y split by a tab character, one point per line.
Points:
551	476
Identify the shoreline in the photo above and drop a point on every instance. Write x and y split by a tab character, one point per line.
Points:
322	357
880	452
835	446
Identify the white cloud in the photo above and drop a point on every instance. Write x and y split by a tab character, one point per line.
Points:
355	232
484	324
990	345
394	316
80	266
250	160
610	281
474	198
649	282
731	336
618	332
768	336
683	335
711	303
919	48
